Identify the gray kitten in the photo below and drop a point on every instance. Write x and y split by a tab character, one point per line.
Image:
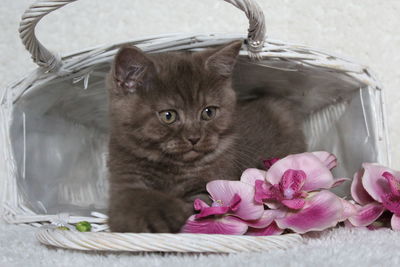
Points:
176	124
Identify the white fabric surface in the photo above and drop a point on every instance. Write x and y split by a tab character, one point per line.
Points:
367	30
341	247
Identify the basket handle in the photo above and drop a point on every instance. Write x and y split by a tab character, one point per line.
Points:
50	61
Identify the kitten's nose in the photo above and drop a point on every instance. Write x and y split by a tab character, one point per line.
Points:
194	140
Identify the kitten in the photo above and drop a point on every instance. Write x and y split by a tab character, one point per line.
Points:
176	124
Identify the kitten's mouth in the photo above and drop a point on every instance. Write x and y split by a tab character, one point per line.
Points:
191	155
196	153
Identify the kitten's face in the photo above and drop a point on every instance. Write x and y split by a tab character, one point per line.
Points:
176	107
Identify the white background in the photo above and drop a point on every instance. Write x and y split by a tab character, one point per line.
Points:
365	30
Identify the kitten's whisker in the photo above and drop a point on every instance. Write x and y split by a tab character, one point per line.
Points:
243	160
249	155
236	163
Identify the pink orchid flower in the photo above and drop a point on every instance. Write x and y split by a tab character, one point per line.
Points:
291	185
269	162
377	189
266	225
233	210
328	159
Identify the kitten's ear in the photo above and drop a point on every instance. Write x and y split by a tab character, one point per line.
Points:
223	60
131	69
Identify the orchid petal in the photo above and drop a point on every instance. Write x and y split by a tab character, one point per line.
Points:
234	205
349	209
264	191
209	211
359	194
259	194
394	183
339	182
395	222
250	176
199	204
367	214
391	202
328	159
322	210
225	191
296	203
271	229
227	225
266	219
318	175
269	162
373	181
347	224
292	181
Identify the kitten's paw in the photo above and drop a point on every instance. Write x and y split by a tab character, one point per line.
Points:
166	218
149	213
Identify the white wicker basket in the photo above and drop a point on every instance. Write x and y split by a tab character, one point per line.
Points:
53	129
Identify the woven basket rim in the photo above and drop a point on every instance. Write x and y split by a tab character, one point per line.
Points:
164	242
271	49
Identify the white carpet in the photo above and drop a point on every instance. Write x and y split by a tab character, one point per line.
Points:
367	30
340	247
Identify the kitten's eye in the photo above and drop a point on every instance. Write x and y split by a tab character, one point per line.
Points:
208	113
168	116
